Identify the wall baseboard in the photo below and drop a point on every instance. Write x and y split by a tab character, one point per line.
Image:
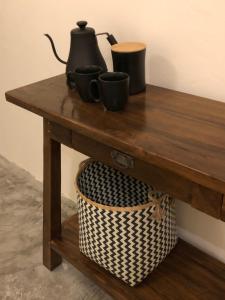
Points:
201	244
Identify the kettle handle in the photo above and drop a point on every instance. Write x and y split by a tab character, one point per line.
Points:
110	38
54	50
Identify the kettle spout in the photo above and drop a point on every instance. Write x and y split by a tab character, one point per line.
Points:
54	50
110	38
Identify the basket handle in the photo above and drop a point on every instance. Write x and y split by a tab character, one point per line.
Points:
159	212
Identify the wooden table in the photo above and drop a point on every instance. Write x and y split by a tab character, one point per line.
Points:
172	140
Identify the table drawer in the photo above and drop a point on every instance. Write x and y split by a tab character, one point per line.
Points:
202	198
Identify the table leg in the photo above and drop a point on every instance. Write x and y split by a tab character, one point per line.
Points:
51	197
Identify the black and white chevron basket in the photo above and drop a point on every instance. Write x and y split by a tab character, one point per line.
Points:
124	225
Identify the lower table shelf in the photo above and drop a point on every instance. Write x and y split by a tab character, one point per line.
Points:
186	274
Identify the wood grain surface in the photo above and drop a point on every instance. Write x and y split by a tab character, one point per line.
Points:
128	47
172	130
200	197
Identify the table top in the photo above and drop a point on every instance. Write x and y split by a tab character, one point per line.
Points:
166	128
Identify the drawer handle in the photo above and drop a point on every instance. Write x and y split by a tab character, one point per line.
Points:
122	160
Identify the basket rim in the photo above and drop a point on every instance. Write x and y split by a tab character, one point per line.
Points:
103	206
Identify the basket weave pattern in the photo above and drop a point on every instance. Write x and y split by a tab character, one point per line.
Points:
127	241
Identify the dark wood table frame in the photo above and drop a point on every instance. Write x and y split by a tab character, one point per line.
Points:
51	197
130	144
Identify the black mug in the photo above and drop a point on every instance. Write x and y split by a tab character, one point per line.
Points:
82	77
112	88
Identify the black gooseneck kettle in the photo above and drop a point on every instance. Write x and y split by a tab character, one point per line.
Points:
84	49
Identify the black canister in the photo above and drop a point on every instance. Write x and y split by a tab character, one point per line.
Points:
130	58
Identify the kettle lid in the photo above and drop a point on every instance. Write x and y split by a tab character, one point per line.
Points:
82	29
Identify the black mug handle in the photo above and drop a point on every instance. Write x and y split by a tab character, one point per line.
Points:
94	90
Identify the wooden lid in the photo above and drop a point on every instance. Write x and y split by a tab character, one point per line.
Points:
128	47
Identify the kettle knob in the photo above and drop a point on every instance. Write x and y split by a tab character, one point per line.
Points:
82	24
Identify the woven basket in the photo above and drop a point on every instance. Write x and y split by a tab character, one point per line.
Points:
124	225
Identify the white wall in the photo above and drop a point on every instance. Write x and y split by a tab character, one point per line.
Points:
186	46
